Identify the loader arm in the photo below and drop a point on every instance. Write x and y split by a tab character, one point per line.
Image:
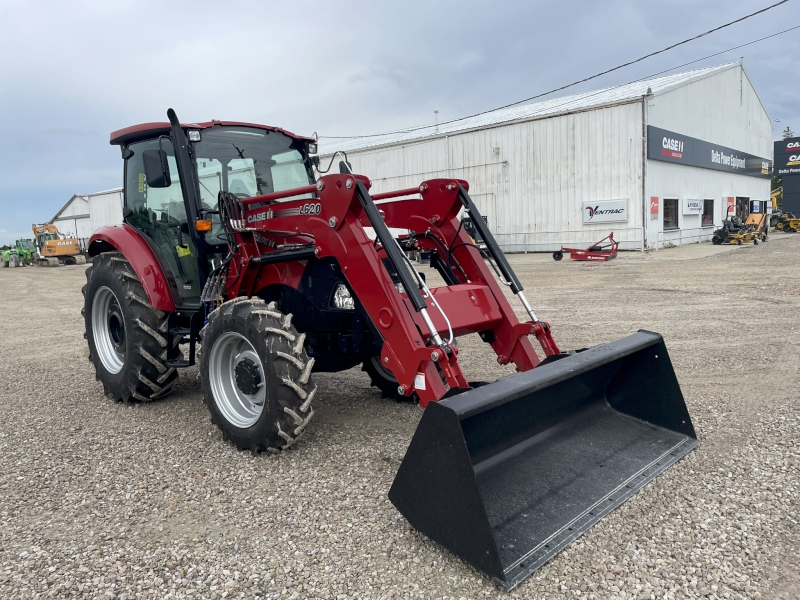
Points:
413	327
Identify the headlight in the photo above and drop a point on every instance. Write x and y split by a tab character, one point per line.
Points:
342	298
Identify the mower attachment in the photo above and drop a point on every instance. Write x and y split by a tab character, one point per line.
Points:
604	250
508	474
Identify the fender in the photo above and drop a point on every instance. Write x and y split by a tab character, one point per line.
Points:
135	249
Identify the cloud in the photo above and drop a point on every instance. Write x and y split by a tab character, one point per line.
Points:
339	68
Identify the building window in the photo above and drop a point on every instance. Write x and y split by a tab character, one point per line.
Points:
670	213
708	213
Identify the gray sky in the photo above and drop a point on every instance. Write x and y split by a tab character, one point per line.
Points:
72	72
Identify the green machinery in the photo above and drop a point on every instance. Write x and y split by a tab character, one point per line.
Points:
22	253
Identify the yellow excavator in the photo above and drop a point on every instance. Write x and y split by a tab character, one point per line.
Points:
53	249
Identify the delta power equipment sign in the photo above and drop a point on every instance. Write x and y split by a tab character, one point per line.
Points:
605	211
682	149
787	157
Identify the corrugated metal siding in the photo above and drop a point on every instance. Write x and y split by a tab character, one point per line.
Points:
105	209
78	206
531	178
533	110
710	109
74	227
682	182
83	215
714	109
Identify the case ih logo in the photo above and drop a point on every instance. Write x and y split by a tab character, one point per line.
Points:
262	216
672	147
595	210
306	209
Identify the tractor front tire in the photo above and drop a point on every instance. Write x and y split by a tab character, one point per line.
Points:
13	261
256	375
383	379
127	337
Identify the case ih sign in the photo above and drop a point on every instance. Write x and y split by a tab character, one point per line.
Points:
787	157
677	148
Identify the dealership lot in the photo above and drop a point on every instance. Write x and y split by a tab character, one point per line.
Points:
100	500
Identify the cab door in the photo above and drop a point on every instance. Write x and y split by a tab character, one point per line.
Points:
159	214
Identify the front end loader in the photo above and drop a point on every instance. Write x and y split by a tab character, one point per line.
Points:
234	253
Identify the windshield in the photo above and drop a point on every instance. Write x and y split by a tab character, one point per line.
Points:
26	244
247	162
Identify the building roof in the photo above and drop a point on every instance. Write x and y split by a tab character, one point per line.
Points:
528	112
82	197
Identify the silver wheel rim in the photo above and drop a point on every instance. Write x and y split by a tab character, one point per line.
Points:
383	371
108	329
239	409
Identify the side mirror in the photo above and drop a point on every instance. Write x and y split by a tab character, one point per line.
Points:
156	168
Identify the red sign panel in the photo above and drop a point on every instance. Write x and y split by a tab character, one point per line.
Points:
653	207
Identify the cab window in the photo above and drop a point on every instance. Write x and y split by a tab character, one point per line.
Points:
164	205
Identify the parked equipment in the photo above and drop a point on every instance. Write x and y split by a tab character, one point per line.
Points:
229	239
54	249
734	231
788	223
758	223
9	258
604	250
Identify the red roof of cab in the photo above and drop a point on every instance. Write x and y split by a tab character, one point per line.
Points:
146	130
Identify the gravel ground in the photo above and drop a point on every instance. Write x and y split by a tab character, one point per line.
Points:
99	500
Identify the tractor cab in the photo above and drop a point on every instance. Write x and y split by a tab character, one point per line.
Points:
26	245
171	197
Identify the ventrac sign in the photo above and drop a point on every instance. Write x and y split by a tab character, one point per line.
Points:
605	211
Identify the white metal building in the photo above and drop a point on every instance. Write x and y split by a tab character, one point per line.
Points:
83	214
657	161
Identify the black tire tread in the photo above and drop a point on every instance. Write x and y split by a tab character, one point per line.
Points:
146	375
291	365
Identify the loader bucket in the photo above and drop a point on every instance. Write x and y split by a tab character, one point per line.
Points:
508	474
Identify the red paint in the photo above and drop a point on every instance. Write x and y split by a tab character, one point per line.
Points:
608	251
653	205
148	130
475	304
130	243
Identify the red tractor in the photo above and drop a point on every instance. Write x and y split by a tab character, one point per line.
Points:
232	243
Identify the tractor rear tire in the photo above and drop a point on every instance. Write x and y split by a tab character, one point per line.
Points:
13	261
256	375
127	337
